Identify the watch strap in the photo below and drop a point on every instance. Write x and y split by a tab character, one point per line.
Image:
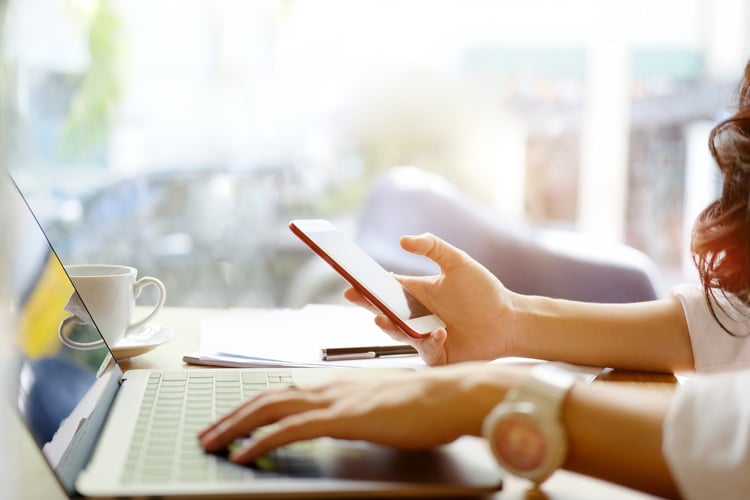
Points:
549	383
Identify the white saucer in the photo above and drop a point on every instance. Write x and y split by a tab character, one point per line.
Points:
142	340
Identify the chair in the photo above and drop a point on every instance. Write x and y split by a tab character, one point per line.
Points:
529	260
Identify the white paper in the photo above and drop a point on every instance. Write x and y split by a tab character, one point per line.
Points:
293	337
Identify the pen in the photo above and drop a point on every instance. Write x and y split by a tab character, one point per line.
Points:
370	352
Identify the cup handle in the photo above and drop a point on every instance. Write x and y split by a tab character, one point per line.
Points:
138	286
62	332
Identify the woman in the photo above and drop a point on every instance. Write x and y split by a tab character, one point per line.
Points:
662	443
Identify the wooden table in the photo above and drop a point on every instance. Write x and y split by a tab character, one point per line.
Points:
36	481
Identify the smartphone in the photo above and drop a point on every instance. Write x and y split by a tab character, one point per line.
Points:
368	277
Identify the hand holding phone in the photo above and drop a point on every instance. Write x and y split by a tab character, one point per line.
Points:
368	277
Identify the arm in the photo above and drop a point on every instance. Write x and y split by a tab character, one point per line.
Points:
485	320
645	336
614	433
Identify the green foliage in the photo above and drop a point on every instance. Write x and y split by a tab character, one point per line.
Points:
99	90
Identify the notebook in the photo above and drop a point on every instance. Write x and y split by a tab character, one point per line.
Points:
105	433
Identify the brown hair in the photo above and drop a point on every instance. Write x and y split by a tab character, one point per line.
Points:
721	234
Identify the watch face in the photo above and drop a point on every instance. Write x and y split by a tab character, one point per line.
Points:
520	443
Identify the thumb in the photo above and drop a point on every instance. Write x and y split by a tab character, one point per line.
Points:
437	250
432	348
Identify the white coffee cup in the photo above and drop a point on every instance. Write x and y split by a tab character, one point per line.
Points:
109	293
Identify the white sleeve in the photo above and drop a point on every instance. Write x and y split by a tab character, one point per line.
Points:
706	439
715	349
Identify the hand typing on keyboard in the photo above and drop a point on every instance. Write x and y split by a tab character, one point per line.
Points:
410	411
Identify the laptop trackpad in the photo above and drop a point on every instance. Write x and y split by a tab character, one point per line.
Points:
466	461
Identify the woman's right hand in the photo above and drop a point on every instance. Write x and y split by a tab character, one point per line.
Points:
475	306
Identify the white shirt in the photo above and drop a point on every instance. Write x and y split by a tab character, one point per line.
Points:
707	430
706	438
713	348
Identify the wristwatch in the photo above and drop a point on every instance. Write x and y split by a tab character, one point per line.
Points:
524	430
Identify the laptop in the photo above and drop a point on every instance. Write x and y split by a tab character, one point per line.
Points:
109	433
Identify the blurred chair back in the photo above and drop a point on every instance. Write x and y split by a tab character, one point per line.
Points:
529	260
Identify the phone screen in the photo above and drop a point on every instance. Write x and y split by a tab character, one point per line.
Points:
362	271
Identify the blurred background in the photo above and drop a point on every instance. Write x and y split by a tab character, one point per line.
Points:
180	136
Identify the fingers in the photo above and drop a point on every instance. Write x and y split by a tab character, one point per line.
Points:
297	415
430	347
389	327
218	423
357	298
381	320
267	408
437	250
299	427
433	350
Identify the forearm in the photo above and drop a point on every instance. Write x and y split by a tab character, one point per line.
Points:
646	336
615	433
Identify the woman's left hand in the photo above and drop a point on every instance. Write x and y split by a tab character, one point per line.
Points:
410	411
479	312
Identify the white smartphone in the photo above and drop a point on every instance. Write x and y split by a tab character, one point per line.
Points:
368	277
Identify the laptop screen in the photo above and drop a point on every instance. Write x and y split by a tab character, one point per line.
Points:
54	388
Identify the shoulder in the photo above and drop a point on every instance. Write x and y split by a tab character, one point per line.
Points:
714	348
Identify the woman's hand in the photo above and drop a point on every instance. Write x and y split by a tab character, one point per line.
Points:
409	410
475	306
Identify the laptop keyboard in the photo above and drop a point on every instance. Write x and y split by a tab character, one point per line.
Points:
175	407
